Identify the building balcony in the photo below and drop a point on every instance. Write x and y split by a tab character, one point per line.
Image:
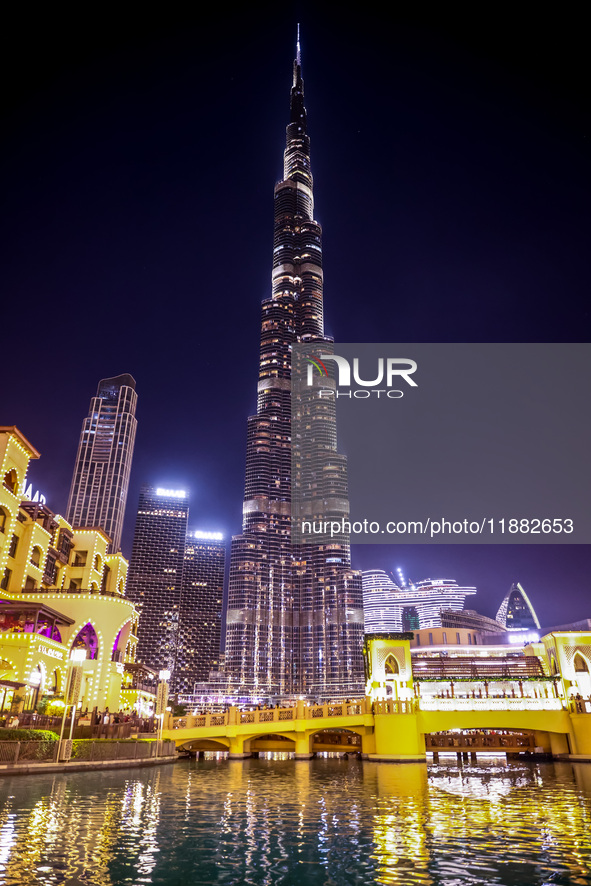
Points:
146	686
79	591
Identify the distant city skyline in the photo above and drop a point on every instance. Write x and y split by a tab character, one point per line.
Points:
467	212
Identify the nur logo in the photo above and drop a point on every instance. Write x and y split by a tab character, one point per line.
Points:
389	370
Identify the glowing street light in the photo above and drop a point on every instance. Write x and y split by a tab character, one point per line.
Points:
161	703
71	697
35	681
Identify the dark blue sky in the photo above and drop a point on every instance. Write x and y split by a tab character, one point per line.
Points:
451	176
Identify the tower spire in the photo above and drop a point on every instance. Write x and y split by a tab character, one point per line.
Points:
298	111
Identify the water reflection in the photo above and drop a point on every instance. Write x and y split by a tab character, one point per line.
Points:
328	822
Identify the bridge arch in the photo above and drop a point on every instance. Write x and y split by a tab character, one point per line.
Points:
204	744
340	740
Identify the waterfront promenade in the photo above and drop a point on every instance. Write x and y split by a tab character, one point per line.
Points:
36	757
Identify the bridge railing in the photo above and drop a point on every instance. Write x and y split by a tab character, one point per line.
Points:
395	706
299	711
490	704
579	705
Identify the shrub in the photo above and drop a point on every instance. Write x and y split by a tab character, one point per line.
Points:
103	747
51	706
28	735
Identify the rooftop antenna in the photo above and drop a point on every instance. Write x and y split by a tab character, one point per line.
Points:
298	50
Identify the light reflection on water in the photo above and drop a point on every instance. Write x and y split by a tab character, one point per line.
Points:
328	822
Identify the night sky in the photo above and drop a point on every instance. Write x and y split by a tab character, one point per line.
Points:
451	180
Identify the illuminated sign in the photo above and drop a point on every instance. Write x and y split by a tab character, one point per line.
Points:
171	493
214	536
28	493
524	637
53	653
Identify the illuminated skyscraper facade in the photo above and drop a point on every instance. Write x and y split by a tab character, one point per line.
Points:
154	580
176	580
198	650
100	482
295	611
389	607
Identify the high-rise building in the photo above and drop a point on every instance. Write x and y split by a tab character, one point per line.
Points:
176	580
100	482
388	607
155	575
516	612
295	611
198	650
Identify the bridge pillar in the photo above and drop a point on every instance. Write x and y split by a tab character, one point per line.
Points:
542	740
581	729
302	746
559	743
368	743
398	739
236	748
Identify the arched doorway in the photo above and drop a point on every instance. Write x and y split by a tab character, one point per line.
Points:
392	674
582	675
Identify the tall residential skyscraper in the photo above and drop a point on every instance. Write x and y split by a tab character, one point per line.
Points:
101	475
198	650
295	611
154	580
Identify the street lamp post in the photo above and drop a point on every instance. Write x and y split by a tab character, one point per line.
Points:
161	702
72	694
35	682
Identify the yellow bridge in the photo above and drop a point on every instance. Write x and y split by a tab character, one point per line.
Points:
541	699
389	730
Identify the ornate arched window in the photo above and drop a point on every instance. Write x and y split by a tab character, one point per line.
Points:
581	666
87	639
391	666
11	481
